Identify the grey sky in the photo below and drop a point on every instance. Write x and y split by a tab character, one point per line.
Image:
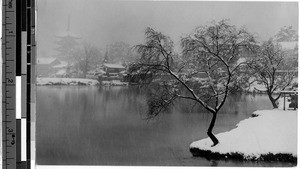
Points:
104	22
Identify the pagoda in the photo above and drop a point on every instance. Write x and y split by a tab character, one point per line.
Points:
67	41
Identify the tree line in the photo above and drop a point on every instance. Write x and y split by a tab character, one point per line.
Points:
85	57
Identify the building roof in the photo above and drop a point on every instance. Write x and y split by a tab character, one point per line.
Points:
61	72
241	60
46	60
114	66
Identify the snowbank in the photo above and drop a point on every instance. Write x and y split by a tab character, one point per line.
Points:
271	135
66	81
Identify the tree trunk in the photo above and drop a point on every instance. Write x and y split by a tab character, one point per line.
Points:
209	131
84	74
273	101
274	104
85	71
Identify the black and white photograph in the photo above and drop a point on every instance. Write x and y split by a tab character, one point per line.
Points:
166	83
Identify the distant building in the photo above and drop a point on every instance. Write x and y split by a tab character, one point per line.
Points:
67	41
113	68
45	66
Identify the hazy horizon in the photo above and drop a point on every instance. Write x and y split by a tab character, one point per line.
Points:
104	22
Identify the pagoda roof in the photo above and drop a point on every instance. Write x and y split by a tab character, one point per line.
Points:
68	34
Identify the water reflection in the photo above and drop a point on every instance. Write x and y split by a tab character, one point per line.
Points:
104	126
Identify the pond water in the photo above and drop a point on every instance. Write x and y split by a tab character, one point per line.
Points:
107	126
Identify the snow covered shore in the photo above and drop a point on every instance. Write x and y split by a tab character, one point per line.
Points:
268	135
78	81
66	81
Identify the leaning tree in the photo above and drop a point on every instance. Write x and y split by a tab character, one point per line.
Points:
205	73
269	68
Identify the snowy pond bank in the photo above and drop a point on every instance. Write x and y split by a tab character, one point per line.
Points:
269	135
66	81
77	82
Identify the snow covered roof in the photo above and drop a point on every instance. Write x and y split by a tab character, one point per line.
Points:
100	71
241	60
289	45
114	66
45	60
61	72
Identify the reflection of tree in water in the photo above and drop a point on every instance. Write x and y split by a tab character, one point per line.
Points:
108	102
233	102
188	106
85	115
128	99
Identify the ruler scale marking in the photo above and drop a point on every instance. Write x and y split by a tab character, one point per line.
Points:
8	125
18	33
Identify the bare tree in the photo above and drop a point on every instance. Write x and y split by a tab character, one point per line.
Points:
86	57
212	51
267	69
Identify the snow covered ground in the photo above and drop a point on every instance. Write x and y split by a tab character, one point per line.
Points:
272	131
78	81
66	81
261	87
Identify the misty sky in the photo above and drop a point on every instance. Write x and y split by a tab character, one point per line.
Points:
104	22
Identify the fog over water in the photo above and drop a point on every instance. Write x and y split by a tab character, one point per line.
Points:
105	22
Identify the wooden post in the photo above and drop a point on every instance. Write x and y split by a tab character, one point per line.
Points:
296	101
284	101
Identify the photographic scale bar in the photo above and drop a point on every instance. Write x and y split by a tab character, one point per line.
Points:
18	84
